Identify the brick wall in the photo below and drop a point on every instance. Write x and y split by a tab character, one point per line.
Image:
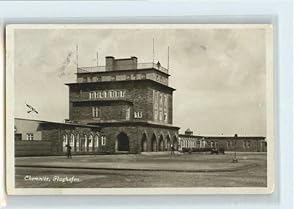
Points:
138	94
135	135
33	148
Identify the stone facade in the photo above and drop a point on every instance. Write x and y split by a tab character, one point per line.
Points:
131	103
140	138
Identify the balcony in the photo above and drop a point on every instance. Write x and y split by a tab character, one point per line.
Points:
138	66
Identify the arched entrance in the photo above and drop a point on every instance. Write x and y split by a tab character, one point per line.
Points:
144	143
161	143
122	142
168	144
153	144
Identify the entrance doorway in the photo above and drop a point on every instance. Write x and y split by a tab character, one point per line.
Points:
122	142
161	143
144	143
153	144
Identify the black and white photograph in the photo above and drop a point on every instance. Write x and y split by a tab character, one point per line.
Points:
139	109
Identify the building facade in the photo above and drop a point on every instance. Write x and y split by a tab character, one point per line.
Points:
131	102
36	137
122	107
228	143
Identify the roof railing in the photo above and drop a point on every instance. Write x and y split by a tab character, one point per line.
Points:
138	66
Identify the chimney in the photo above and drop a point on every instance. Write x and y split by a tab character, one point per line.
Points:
134	62
109	63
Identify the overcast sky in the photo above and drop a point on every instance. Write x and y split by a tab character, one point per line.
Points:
219	74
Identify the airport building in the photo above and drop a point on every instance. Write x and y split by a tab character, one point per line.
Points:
122	107
189	141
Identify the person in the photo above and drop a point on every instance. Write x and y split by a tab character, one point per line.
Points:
69	148
158	64
172	150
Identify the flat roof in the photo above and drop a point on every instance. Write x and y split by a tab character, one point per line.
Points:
59	123
220	136
123	81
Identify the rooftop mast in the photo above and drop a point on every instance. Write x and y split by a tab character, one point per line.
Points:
168	57
77	55
97	59
153	52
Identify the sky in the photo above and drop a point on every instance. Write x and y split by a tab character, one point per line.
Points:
219	74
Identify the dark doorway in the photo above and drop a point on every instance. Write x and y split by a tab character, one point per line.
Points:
161	143
144	143
168	144
122	142
153	144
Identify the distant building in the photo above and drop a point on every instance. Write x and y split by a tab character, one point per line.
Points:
129	104
229	143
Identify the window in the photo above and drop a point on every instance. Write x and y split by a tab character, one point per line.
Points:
77	144
165	117
128	77
104	94
90	143
113	77
160	115
96	142
93	95
72	140
128	113
138	114
103	140
161	99
29	136
65	141
95	112
95	78
166	102
248	144
85	142
122	93
155	115
216	144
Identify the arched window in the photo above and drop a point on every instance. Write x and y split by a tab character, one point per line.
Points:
85	140
90	143
77	143
64	142
96	143
72	141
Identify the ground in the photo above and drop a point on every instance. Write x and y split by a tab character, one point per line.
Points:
146	170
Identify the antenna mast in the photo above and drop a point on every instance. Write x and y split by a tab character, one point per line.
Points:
153	51
168	57
97	60
77	55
